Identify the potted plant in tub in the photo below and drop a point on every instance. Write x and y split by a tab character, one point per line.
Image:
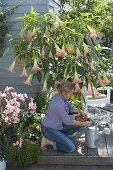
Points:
15	109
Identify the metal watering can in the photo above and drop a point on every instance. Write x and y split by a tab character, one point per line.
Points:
91	137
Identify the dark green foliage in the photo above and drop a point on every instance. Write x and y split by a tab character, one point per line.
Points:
3	25
41	101
6	139
25	155
98	13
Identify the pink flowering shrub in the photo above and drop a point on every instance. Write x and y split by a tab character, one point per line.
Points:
14	106
16	109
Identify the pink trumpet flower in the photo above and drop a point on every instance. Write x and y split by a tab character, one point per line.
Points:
34	31
105	80
70	49
60	52
96	92
50	55
29	79
12	66
47	33
100	81
89	91
29	36
76	78
43	53
92	33
44	89
24	73
22	35
86	49
92	66
77	89
78	53
36	68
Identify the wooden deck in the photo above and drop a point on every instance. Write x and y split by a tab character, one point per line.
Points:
83	158
103	155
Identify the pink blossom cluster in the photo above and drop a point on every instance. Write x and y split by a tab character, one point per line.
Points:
61	53
18	143
15	105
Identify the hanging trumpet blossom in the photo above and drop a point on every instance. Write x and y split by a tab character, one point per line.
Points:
24	73
35	67
105	80
86	49
70	49
92	33
29	35
29	79
76	78
50	55
77	88
22	35
100	81
78	53
42	53
47	33
89	91
11	67
44	89
34	31
60	52
95	92
92	66
57	23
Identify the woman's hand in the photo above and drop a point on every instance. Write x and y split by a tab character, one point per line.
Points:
83	116
87	123
84	123
75	115
83	113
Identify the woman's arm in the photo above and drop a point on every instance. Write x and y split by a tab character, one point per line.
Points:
81	112
78	123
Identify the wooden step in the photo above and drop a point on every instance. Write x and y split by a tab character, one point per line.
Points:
76	160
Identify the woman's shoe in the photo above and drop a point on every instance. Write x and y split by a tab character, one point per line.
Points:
43	143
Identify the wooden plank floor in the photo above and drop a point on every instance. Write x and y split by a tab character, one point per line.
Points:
103	155
83	158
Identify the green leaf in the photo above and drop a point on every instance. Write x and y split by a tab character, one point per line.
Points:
39	76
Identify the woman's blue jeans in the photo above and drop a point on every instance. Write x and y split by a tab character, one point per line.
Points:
60	137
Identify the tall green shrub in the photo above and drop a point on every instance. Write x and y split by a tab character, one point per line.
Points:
60	50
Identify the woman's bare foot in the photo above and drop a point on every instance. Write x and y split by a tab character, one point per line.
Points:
45	142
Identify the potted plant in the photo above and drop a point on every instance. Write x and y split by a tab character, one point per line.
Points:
15	110
25	154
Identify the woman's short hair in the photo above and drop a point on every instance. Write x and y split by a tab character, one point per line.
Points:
65	87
